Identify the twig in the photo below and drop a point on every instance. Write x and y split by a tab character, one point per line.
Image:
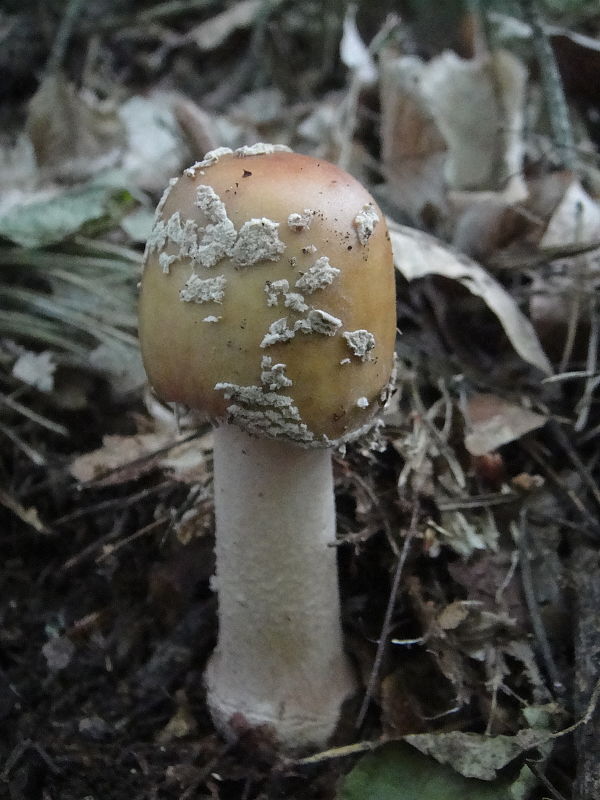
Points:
532	606
336	752
107	505
112	549
32	454
541	777
351	101
140	460
387	620
27	515
554	95
570	494
478	501
575	459
55	427
577	296
149	16
591	383
64	33
92	548
586	585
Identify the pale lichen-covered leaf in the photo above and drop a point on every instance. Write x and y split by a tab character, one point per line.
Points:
476	755
398	772
417	255
47	222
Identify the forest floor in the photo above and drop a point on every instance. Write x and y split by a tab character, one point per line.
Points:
468	542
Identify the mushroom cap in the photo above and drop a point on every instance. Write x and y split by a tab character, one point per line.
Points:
267	296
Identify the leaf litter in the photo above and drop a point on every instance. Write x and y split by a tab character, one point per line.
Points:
455	541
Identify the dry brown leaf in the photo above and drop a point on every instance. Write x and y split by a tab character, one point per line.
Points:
452	615
73	134
413	150
492	422
417	255
116	453
125	458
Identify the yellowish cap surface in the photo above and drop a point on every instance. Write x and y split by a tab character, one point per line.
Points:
267	296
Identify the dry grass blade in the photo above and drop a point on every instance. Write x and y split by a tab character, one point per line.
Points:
68	301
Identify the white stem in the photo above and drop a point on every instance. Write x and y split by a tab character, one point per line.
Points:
279	659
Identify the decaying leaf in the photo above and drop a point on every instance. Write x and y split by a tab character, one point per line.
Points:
182	723
46	222
417	255
451	124
74	135
214	31
478	106
413	150
466	533
575	220
58	652
125	458
492	422
154	149
476	755
396	771
122	366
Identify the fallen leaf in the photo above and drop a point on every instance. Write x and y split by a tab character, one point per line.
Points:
478	106
417	255
46	222
492	422
467	533
126	458
396	771
120	453
413	151
216	30
575	220
476	755
154	149
181	724
73	134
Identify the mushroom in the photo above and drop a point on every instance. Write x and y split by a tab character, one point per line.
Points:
267	303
